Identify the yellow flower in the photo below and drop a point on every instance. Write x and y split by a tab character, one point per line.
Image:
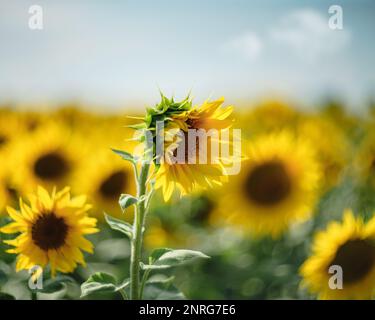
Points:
160	234
32	120
52	230
104	179
267	116
11	128
364	162
6	192
337	112
4	196
184	176
333	153
50	157
350	245
278	185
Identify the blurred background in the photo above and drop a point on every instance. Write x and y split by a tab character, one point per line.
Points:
66	92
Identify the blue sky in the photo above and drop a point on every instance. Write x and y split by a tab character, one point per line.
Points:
119	53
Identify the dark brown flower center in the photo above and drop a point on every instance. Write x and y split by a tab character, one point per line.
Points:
372	166
49	231
32	124
112	187
51	166
205	207
356	258
268	183
3	140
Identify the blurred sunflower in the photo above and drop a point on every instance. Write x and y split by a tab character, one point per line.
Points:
118	135
268	115
104	179
184	176
4	195
161	234
32	120
278	185
74	116
52	230
50	157
10	129
203	208
8	194
351	246
336	111
364	162
333	153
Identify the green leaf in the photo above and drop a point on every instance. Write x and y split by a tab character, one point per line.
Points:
127	200
98	282
123	285
167	258
161	288
157	253
137	126
3	277
119	225
125	155
160	279
103	283
58	284
6	296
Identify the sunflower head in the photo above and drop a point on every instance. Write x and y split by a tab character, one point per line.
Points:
364	161
334	153
278	185
180	166
349	245
106	185
51	231
269	115
50	156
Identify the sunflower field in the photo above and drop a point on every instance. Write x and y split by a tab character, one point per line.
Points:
301	204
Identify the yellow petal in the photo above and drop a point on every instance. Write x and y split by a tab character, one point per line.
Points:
13	227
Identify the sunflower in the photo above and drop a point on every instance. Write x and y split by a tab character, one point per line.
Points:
186	176
337	112
7	193
4	195
104	179
278	185
269	115
351	246
334	153
11	128
52	229
160	233
77	117
364	162
50	157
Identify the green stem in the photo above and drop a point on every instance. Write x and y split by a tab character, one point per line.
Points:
136	245
123	294
34	295
144	279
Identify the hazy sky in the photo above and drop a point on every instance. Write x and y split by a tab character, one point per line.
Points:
121	52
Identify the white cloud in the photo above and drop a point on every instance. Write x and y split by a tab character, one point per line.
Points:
307	34
249	45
